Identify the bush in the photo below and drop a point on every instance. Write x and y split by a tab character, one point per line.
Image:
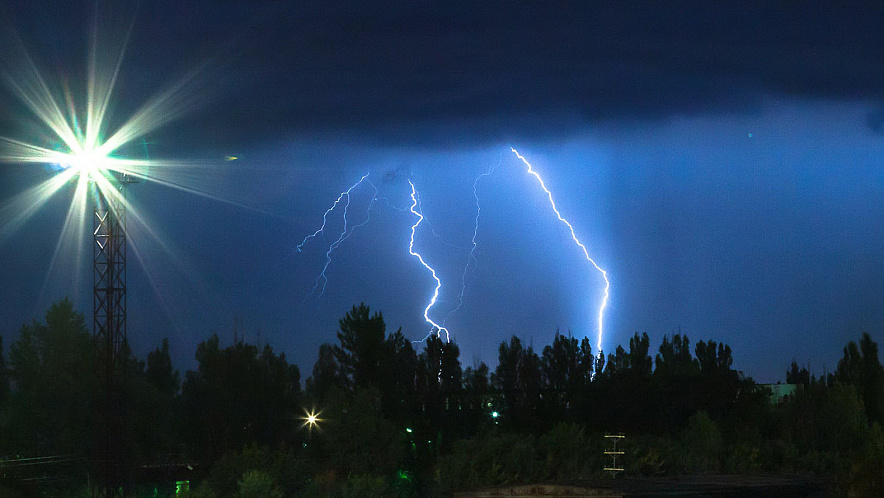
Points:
703	444
257	484
866	475
327	484
654	456
225	476
743	454
565	451
490	460
364	485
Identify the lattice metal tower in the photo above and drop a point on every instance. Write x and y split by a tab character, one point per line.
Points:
109	337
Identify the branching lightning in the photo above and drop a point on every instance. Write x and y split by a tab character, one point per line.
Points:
321	279
321	229
471	257
347	230
415	209
601	313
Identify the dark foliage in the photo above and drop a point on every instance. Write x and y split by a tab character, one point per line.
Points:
238	396
395	421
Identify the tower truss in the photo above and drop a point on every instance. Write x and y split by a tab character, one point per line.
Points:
109	337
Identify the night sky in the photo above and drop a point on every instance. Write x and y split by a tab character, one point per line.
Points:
721	160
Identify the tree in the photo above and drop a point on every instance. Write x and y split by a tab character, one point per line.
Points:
677	377
825	419
714	362
237	396
154	402
797	376
367	358
475	379
51	366
451	378
674	359
636	362
160	373
861	367
518	378
361	349
429	377
356	437
567	368
561	363
439	381
149	411
719	385
397	389
640	362
626	389
617	363
327	373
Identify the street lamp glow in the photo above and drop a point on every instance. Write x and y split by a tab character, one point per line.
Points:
311	419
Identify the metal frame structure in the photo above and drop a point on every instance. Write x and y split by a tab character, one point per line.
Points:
613	452
109	338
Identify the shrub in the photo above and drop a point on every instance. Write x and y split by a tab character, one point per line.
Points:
564	450
703	444
257	484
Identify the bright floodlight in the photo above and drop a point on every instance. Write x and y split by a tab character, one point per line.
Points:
78	141
87	162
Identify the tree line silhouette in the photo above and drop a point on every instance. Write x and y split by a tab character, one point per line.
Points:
396	421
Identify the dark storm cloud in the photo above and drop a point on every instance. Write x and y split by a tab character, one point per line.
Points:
492	70
394	174
450	72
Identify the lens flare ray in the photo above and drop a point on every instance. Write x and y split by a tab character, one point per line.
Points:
76	215
18	210
601	312
101	84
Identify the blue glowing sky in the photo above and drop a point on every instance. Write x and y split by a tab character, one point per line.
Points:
723	164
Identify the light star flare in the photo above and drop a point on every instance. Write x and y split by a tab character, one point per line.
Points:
311	420
76	139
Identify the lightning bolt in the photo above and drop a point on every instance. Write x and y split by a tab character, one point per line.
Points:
346	194
604	304
416	211
441	239
471	257
322	279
